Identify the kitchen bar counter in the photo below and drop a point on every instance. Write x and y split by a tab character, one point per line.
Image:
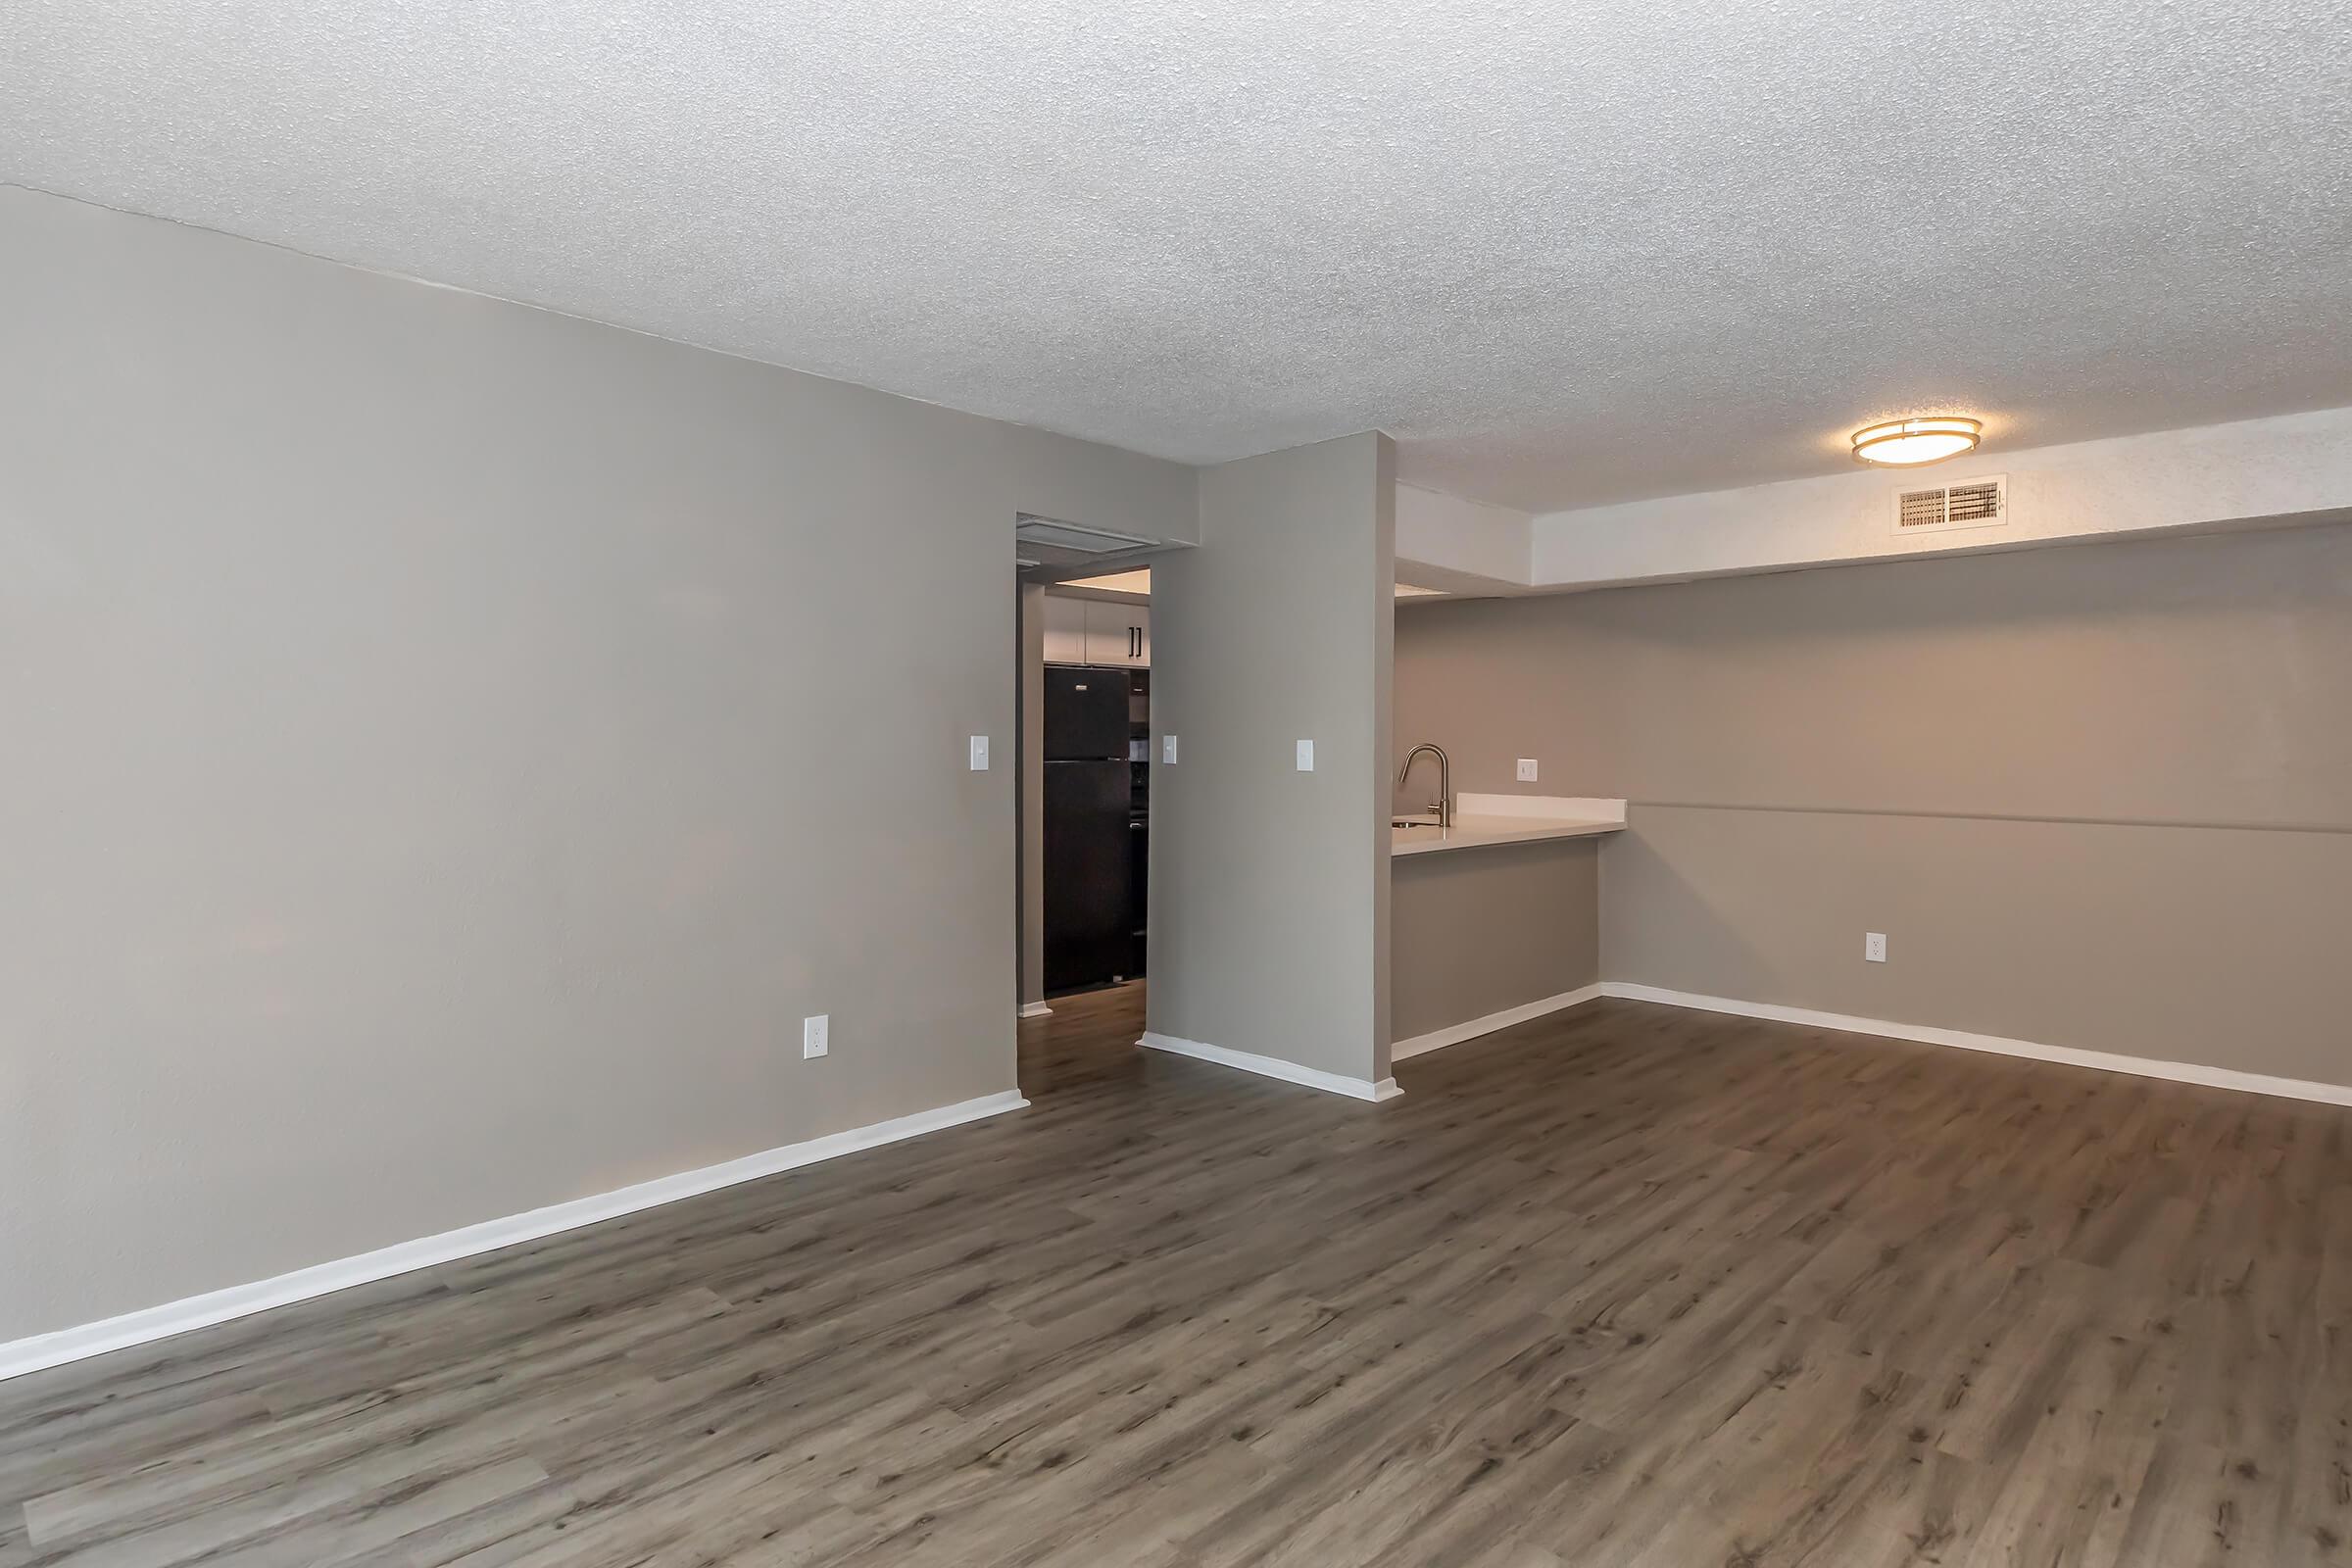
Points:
1484	820
1482	941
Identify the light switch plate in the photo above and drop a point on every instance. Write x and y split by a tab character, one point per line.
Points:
1873	946
1527	770
979	753
1307	757
816	1035
1167	750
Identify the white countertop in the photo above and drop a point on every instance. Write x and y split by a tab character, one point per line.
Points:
1481	819
1469	832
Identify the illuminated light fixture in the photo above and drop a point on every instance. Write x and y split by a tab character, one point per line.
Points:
1908	443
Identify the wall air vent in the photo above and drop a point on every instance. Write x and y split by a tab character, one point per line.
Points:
1969	504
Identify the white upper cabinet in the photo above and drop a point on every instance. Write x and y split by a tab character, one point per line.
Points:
1097	631
1118	634
1065	630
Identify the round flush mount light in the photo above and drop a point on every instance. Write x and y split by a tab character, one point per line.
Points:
1908	443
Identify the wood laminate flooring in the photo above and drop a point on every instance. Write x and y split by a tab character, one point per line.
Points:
1627	1286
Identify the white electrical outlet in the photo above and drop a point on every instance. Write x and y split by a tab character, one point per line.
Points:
979	753
1167	750
1527	770
816	1035
1873	946
1307	757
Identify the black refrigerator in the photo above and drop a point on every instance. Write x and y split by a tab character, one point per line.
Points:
1089	787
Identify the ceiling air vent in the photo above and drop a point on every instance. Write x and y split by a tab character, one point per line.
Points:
1072	536
1969	504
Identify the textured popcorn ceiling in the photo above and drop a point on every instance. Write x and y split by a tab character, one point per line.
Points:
1567	253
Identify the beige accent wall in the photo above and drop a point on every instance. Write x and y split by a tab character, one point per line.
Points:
2097	796
1269	887
450	746
1476	932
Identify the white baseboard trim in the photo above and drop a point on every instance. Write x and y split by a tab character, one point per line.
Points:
32	1354
1455	1034
2185	1072
1036	1009
1290	1073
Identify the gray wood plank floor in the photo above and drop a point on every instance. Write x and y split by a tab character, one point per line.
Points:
1629	1286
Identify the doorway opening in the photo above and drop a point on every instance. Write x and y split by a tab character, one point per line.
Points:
1086	797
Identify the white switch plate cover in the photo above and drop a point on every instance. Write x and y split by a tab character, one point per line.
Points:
1307	757
1873	946
1167	750
979	753
1527	770
816	1035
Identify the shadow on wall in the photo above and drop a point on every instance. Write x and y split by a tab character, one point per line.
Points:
1673	915
2070	586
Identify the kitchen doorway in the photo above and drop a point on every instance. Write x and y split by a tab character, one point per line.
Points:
1085	792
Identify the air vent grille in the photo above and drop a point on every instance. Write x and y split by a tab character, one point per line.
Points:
1979	501
1074	536
1969	504
1920	509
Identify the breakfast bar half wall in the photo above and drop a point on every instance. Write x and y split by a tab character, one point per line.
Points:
1496	916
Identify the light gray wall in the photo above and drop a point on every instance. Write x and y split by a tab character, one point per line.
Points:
450	746
1269	886
1476	932
2097	796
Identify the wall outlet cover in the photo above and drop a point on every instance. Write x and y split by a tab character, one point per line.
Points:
816	1036
1307	757
1167	750
1527	770
1873	946
979	753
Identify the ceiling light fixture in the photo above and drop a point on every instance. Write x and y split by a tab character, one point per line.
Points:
1908	443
